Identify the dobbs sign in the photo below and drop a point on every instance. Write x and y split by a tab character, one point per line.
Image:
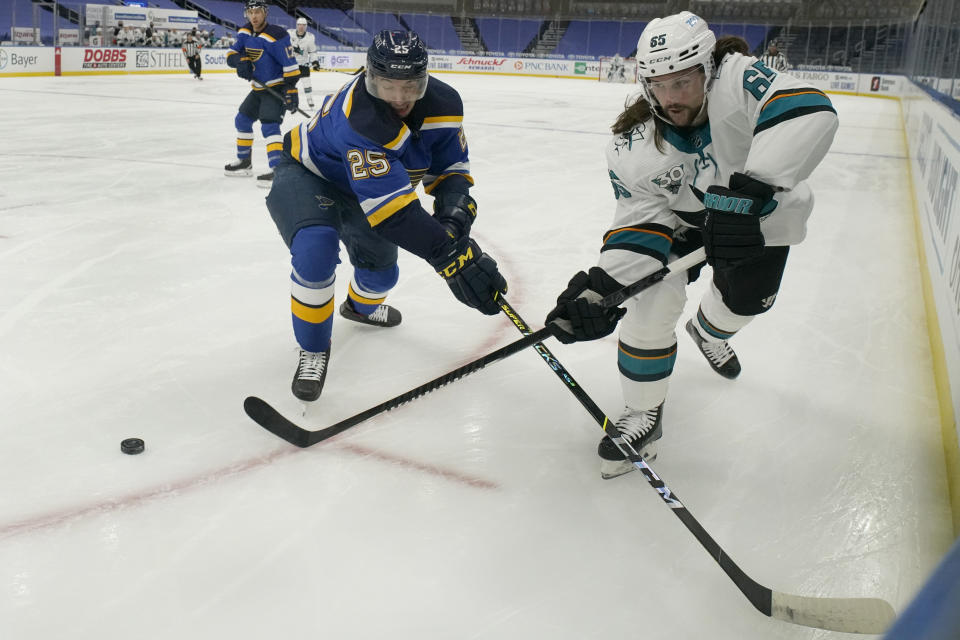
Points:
104	59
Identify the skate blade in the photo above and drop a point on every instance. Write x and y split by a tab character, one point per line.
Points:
242	173
613	468
306	406
263	185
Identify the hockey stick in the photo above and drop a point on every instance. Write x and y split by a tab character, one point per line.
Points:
280	98
273	421
851	615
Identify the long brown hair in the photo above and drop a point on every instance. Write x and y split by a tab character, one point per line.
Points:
729	44
640	111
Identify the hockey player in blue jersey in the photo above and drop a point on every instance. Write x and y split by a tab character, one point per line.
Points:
349	175
262	54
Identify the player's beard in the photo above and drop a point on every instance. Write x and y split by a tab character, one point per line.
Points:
680	114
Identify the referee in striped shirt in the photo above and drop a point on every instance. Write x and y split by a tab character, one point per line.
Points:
773	59
191	49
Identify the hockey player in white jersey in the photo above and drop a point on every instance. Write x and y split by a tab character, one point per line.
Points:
714	152
617	71
305	51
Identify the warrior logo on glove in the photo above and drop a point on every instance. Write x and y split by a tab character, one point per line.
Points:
717	202
731	231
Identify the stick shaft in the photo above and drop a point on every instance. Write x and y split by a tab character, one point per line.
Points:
280	98
436	383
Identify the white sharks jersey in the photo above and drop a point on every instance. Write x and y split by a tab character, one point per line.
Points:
767	125
304	47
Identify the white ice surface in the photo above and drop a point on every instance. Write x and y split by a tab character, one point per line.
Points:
142	293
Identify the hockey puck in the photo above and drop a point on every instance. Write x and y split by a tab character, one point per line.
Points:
132	446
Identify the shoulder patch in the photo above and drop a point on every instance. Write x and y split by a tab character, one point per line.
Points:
626	140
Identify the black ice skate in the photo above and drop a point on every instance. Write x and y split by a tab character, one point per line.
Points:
642	429
719	354
310	375
383	316
265	181
240	167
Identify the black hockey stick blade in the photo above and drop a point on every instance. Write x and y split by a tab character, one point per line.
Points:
274	422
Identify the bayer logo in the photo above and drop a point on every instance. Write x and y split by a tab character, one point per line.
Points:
3	58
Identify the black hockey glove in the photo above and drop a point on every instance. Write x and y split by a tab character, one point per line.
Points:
291	99
471	274
245	68
455	211
315	65
578	315
731	232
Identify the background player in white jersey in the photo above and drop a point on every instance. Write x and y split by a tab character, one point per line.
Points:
305	51
617	71
714	153
774	58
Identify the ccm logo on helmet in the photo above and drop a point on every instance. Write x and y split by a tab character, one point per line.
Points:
660	59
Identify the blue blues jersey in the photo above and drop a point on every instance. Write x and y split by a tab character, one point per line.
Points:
270	52
360	145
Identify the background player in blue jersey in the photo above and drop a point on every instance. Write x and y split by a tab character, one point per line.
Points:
350	174
262	54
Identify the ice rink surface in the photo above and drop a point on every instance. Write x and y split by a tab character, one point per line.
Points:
145	294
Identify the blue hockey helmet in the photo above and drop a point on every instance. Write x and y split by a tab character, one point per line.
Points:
397	55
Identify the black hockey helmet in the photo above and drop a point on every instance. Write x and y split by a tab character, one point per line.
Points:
397	55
